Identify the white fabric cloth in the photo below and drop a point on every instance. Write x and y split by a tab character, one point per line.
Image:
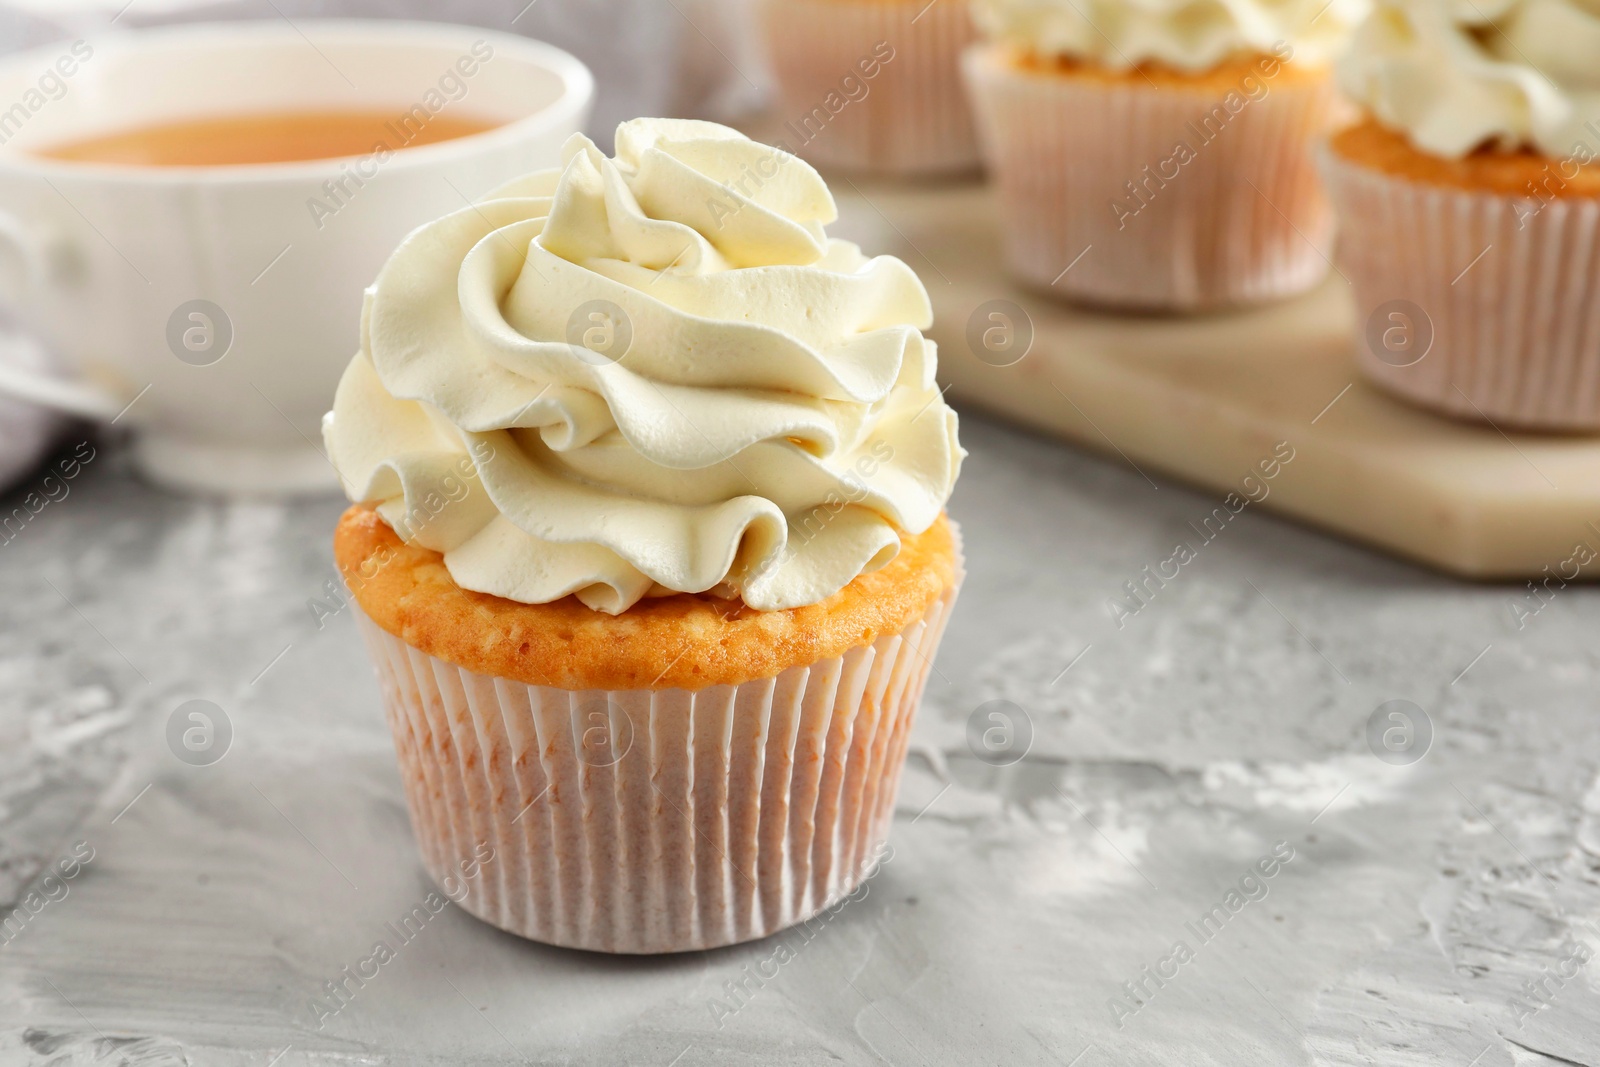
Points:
26	431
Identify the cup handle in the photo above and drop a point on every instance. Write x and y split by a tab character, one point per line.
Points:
72	397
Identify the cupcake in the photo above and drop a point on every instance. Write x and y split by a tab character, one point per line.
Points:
873	85
1157	154
648	540
1470	200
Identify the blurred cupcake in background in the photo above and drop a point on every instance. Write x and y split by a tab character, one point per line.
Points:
1158	154
873	85
1470	199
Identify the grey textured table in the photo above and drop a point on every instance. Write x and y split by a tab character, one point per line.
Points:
1422	908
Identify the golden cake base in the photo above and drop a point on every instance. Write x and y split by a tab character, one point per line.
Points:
1206	399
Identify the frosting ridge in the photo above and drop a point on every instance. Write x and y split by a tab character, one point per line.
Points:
1458	75
644	375
1193	36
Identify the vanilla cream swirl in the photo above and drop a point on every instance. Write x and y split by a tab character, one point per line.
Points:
1193	36
759	421
1457	75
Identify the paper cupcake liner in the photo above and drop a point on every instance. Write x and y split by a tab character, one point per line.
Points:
1242	221
642	821
1509	287
914	118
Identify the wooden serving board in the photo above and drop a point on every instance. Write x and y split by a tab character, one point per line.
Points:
1208	398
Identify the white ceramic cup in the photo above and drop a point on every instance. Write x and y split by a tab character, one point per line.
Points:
212	309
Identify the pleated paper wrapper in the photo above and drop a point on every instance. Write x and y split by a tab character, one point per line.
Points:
914	118
656	821
1245	220
1508	287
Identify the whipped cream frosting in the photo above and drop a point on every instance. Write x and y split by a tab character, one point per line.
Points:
1188	35
1457	75
648	375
